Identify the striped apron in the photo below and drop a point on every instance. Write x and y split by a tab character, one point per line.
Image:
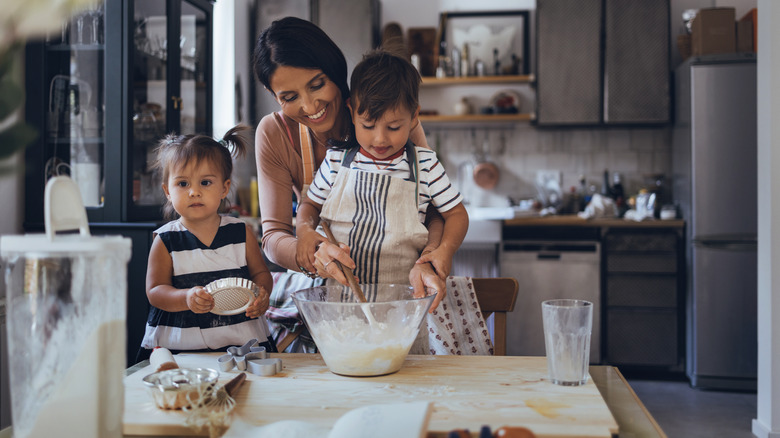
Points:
376	215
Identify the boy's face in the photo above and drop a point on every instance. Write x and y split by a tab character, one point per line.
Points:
386	135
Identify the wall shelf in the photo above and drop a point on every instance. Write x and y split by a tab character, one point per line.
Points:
478	118
476	80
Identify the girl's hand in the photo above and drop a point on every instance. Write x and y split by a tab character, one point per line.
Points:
325	257
199	300
424	281
441	261
259	305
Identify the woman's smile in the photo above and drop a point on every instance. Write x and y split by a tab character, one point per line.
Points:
309	97
319	115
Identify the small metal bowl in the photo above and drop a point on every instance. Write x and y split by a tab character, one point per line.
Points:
179	387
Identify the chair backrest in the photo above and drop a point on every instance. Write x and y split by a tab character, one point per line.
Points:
496	296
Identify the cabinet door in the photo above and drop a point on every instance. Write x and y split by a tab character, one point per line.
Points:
636	62
603	62
568	62
167	91
66	101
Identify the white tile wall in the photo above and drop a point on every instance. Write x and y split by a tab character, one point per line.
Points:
635	153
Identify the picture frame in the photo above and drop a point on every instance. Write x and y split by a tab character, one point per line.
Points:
485	32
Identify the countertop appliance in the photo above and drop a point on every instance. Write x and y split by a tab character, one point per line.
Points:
714	158
548	270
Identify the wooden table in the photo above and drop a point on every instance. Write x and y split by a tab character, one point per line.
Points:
633	420
466	391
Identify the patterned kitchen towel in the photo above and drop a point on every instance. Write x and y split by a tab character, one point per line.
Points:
457	325
282	314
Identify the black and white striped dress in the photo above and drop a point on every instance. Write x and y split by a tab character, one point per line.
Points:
195	264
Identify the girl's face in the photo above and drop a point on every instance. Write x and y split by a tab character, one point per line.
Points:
196	190
308	96
386	135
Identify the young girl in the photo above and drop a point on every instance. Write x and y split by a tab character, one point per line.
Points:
199	247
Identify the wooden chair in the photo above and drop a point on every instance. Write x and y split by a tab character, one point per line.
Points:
496	296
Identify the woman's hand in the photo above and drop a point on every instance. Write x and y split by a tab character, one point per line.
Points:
199	300
308	242
326	255
259	305
423	279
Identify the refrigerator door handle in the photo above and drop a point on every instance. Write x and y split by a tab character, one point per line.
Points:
725	245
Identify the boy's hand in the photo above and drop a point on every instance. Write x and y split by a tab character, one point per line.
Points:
199	300
441	261
259	305
424	280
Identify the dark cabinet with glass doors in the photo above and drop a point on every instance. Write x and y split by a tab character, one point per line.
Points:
170	53
102	92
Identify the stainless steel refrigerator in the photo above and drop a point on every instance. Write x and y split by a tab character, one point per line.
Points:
714	160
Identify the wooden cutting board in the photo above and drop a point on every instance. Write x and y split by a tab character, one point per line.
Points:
467	392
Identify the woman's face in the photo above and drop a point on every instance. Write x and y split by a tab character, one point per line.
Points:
307	96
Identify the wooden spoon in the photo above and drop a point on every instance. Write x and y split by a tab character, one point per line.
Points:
347	271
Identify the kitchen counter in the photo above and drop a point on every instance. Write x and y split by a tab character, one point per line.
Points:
572	220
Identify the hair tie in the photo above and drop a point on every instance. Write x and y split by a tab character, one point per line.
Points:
223	142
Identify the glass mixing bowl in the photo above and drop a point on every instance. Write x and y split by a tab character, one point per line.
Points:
363	339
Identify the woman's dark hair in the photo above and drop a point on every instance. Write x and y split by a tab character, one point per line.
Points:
383	81
175	151
294	42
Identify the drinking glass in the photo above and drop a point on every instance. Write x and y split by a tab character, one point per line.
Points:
567	328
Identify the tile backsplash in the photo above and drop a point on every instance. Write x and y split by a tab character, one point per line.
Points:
635	153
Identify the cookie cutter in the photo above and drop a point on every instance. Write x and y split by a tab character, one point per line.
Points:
238	356
247	356
265	367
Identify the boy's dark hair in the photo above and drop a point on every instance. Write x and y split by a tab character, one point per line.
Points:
383	81
175	151
294	42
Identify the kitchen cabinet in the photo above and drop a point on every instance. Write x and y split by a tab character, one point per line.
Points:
102	93
644	303
433	90
105	90
640	280
603	62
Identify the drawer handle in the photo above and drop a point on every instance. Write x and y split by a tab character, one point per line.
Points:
548	257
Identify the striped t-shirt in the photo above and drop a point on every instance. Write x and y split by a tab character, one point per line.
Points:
435	186
195	264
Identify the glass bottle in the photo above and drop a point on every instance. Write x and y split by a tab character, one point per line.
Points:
618	194
605	189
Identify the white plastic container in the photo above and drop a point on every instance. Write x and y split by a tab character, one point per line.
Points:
66	298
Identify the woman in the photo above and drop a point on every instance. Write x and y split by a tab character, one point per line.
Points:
307	75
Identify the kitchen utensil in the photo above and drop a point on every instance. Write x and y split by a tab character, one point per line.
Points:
350	278
162	359
347	271
238	356
232	295
213	407
265	367
486	173
67	302
179	388
349	344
